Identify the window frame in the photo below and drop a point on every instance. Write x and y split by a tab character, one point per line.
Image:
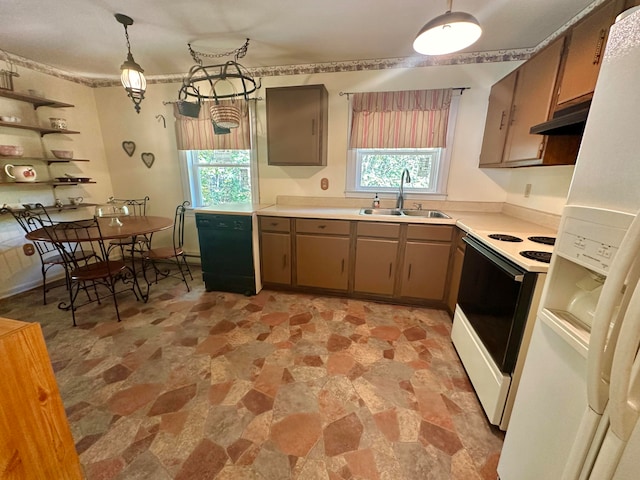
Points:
189	167
352	188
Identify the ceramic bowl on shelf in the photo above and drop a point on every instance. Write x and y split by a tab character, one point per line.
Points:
11	150
58	123
63	154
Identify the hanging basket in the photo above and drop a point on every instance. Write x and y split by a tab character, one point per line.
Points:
6	75
224	116
189	109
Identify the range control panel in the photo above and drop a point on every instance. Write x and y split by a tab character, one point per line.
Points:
591	237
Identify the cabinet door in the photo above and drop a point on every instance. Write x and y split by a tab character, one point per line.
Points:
322	261
584	58
375	265
495	129
35	438
424	271
276	257
532	103
297	125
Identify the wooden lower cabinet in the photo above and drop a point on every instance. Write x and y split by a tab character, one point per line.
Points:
375	270
424	270
389	261
35	439
456	271
322	261
276	257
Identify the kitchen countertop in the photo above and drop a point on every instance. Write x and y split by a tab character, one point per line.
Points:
467	221
479	224
232	208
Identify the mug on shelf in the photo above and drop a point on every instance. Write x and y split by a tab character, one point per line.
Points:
76	200
20	173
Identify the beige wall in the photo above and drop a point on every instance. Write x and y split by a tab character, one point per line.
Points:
17	271
106	118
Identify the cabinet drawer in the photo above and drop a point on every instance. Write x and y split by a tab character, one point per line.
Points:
439	233
334	227
275	224
375	229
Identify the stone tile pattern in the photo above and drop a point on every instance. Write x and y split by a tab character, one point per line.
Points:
276	386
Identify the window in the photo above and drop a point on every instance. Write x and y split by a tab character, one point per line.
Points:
219	176
389	133
217	169
379	170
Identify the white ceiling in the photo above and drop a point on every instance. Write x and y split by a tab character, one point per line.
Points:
83	37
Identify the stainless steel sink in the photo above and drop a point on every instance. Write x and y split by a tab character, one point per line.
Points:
425	213
406	211
380	211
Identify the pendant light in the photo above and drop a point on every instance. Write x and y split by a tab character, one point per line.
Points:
132	77
447	33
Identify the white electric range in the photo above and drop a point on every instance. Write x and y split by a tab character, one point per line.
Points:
502	278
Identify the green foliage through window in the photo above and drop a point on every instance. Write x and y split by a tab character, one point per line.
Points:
381	169
222	176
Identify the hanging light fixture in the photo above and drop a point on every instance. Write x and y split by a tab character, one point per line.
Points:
447	33
132	77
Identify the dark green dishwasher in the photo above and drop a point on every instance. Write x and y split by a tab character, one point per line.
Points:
226	252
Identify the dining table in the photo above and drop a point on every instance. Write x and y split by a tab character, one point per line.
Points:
126	227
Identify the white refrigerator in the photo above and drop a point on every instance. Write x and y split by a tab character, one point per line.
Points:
576	411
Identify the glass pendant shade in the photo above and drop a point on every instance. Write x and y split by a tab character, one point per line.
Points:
132	77
447	33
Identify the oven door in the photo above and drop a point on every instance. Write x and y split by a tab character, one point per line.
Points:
495	296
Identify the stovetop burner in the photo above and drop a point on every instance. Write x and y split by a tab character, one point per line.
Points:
544	257
543	240
503	237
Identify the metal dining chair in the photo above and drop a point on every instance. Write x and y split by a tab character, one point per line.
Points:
136	207
31	219
86	237
174	252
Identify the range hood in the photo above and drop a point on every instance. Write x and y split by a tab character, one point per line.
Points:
568	121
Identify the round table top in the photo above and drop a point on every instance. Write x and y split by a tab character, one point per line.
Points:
131	227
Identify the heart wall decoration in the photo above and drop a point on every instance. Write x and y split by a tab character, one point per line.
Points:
129	147
148	159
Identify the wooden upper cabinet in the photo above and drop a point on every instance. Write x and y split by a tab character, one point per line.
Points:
532	102
495	130
584	56
297	120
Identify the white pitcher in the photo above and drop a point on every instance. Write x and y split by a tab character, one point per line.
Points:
21	173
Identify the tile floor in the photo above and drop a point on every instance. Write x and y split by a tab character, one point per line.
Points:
276	386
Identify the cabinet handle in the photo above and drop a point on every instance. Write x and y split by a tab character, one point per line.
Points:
313	126
502	117
284	260
390	268
512	116
274	224
322	227
342	268
409	276
598	53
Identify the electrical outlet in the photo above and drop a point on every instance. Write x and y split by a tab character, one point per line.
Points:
527	190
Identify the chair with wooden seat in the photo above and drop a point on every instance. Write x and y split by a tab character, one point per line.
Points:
175	252
89	276
137	207
32	219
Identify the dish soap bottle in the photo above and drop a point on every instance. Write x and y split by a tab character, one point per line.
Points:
376	201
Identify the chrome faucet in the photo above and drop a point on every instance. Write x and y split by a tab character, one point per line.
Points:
400	201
